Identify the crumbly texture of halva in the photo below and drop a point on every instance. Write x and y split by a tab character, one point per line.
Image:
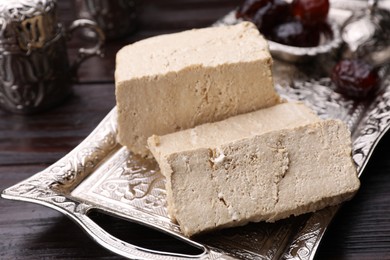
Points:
177	81
261	166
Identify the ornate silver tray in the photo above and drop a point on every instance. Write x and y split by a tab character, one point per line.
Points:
100	174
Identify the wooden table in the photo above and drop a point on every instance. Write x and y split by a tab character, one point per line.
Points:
29	144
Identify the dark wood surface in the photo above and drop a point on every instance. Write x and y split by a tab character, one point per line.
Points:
29	144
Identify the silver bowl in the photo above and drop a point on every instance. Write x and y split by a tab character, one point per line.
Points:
328	44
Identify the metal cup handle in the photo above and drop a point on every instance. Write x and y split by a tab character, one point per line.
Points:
85	53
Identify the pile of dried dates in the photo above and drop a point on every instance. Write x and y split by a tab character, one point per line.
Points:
297	24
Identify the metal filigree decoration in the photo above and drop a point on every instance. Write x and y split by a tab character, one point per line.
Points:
34	70
22	9
30	24
70	170
33	58
372	127
254	241
29	81
306	240
320	96
132	186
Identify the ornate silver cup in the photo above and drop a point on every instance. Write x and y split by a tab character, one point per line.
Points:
35	72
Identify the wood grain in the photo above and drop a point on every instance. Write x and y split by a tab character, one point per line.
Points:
28	144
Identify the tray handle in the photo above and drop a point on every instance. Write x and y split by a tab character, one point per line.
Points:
78	213
125	249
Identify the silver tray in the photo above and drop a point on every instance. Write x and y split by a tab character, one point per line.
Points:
100	174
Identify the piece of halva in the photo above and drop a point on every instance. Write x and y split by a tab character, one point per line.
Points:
261	166
177	81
